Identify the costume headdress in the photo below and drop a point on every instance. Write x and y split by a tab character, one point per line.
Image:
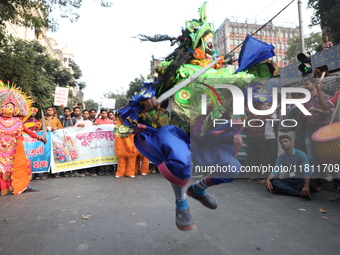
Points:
9	93
198	28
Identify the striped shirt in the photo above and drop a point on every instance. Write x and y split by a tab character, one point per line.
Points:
316	119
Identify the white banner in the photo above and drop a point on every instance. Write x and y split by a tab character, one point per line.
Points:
79	148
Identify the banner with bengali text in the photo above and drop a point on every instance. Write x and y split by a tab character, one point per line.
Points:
79	148
38	152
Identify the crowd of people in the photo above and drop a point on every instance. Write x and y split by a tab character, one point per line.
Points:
75	118
279	145
266	145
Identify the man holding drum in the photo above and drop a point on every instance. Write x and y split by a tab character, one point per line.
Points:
325	105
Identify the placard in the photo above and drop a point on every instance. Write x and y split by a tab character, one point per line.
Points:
60	96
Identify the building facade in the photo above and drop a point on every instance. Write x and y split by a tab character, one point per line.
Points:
64	55
230	35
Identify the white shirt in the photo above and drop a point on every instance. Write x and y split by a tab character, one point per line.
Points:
87	123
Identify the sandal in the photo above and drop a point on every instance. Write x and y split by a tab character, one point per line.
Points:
335	199
44	177
31	189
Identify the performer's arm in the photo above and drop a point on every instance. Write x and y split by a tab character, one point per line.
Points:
305	190
33	134
325	105
269	185
151	104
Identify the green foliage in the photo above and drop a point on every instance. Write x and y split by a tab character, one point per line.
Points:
122	96
134	86
28	65
37	14
327	15
90	104
313	44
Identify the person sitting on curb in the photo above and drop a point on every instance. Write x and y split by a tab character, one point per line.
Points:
294	179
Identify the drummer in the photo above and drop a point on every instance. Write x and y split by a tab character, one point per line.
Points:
325	105
318	119
332	102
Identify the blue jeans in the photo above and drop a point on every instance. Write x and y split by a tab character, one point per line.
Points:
290	187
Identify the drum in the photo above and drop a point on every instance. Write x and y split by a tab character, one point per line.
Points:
326	141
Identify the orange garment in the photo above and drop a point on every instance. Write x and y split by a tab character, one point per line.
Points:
202	60
142	164
22	170
15	169
126	153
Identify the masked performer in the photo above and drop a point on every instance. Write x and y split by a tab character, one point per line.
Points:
175	136
15	168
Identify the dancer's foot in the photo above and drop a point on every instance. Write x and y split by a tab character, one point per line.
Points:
183	219
206	199
31	189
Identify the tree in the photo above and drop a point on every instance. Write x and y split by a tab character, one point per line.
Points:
313	44
134	86
90	104
120	96
37	14
29	66
327	15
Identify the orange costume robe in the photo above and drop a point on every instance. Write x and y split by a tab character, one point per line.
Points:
15	168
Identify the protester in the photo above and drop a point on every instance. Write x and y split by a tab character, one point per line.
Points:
297	181
102	121
52	124
55	112
33	124
103	118
66	119
77	113
93	114
85	121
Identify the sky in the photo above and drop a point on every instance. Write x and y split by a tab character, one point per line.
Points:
110	58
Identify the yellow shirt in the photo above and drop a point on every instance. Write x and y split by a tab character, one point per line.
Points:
53	122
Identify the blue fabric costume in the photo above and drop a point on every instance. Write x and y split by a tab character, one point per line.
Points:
181	138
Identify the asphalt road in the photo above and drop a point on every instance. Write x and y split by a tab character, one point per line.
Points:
105	215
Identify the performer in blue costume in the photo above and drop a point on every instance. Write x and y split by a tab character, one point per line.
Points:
174	135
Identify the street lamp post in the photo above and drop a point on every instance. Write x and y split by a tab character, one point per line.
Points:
302	39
